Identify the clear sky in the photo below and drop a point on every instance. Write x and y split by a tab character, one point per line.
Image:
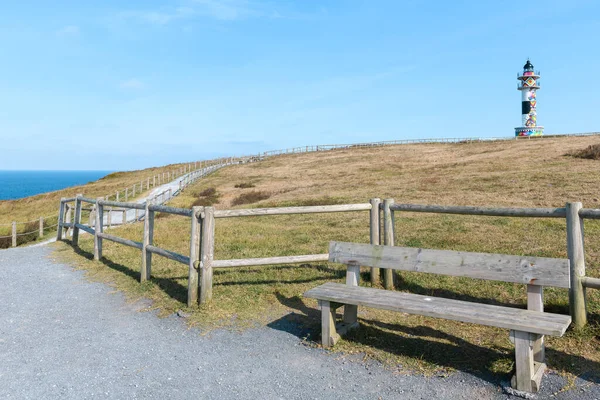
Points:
118	85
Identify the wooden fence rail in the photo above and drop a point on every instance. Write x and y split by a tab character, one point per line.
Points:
201	260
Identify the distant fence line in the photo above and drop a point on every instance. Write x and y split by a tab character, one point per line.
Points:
167	176
201	260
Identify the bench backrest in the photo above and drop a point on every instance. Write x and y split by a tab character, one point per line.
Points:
541	271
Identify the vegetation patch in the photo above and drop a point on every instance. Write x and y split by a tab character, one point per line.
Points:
206	197
250	197
591	152
244	185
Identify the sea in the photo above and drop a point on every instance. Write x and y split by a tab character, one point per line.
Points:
19	184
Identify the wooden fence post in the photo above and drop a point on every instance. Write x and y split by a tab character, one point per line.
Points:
388	232
69	231
117	195
109	217
375	225
194	256
148	184
98	228
207	253
14	234
92	220
133	193
576	256
124	218
137	214
154	181
41	232
75	238
61	217
126	194
148	241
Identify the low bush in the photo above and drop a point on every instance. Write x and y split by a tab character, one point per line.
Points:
591	152
206	198
250	197
245	185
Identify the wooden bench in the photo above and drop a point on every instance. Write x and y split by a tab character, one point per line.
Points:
527	327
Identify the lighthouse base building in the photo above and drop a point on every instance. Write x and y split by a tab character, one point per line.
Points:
528	85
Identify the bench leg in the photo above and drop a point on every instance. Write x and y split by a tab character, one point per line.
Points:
528	373
329	334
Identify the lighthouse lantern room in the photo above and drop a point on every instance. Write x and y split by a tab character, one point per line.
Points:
528	85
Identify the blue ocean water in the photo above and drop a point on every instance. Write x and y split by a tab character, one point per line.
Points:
19	184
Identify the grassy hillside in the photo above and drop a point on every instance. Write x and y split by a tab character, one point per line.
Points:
517	173
30	209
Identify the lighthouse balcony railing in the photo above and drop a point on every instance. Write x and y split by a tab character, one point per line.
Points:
536	86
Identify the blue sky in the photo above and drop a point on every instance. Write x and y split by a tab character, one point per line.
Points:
118	85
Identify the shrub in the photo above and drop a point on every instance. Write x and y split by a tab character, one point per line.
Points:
591	152
206	198
245	185
250	197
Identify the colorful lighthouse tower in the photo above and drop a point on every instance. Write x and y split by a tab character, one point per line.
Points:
528	85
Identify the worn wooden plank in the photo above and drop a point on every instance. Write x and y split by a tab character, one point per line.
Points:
61	216
207	255
148	241
121	204
41	227
489	211
575	251
120	240
186	212
328	332
248	262
457	310
374	234
291	210
590	213
99	227
388	240
85	228
589	282
194	264
507	268
352	279
535	302
77	221
523	362
169	254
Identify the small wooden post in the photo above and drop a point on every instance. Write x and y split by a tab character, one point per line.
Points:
576	256
98	228
154	181
109	217
77	220
194	256
41	232
148	241
69	231
148	184
61	217
388	232
92	220
124	220
141	186
14	234
352	279
170	193
535	302
137	214
117	196
126	194
375	225
133	193
207	253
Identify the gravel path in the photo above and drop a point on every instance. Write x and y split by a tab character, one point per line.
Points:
64	337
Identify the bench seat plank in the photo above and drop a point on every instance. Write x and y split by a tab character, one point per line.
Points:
484	314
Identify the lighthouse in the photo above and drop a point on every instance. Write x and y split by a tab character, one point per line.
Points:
528	85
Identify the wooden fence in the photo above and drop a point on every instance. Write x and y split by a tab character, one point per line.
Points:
201	261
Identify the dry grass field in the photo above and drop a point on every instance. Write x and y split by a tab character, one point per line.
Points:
524	173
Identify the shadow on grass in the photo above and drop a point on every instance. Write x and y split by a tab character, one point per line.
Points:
427	344
169	285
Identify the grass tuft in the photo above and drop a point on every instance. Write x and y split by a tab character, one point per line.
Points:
245	185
